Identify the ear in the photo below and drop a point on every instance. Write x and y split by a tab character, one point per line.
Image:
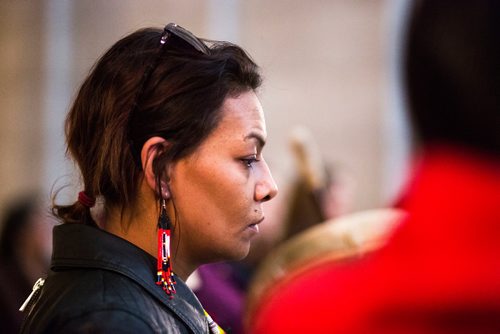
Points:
150	150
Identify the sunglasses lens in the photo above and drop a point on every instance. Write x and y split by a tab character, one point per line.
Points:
187	36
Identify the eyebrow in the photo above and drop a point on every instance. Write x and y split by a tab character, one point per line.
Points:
257	136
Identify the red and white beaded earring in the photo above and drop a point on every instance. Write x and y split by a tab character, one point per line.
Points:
165	274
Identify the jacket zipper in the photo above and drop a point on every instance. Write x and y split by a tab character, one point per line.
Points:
36	290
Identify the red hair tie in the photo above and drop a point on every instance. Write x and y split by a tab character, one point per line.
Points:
85	199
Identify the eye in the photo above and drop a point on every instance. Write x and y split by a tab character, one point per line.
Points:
249	161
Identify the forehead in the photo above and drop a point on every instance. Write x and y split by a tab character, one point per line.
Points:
241	130
240	116
244	105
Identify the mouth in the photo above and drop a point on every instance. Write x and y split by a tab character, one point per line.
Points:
255	226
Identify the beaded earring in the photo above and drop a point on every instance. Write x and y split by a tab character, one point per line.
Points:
165	274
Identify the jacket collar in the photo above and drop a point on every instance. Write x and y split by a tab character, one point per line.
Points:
83	246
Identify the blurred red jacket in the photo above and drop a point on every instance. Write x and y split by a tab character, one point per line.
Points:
439	273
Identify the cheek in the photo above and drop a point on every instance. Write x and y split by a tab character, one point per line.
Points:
227	191
212	189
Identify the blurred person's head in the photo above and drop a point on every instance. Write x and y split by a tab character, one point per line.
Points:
26	237
453	73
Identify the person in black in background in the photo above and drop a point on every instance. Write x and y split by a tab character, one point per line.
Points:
25	245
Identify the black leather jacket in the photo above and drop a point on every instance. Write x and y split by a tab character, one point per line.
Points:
100	283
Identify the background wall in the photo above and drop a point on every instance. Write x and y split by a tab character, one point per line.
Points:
328	65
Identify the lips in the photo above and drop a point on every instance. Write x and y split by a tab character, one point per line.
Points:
258	221
255	226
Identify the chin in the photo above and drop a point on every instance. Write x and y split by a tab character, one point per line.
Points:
230	252
238	253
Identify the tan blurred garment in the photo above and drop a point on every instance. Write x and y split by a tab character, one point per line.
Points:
339	239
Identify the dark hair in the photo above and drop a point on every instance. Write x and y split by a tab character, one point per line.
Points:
453	72
180	102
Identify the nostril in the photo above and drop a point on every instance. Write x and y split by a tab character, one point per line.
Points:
265	192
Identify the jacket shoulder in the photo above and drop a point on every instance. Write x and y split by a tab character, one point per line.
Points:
98	301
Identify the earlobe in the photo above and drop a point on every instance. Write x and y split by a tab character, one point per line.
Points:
165	190
151	149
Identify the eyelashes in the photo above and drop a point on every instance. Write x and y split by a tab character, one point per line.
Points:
248	162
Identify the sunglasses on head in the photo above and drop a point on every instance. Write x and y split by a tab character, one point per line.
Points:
178	31
170	31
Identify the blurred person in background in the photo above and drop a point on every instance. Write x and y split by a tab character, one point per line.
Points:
168	134
25	247
320	191
440	270
349	237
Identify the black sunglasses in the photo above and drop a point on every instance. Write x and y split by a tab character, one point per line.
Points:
187	36
171	30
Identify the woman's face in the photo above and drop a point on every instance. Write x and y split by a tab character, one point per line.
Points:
218	190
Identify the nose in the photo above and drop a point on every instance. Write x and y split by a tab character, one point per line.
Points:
265	188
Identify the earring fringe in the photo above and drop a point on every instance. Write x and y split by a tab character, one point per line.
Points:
165	274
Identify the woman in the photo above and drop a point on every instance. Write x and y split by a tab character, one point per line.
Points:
168	134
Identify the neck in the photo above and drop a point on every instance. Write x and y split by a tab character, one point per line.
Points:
182	264
138	226
182	270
